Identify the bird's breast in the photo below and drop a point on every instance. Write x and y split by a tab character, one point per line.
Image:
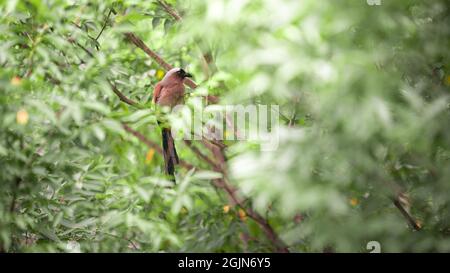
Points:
171	96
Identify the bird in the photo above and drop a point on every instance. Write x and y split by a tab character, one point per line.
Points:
169	92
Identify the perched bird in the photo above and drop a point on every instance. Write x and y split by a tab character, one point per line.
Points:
170	92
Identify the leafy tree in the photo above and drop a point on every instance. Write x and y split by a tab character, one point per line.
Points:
364	140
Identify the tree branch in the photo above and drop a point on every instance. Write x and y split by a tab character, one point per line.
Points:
170	10
220	166
121	96
267	228
139	43
217	151
206	58
14	198
405	214
135	247
200	154
398	192
104	25
85	49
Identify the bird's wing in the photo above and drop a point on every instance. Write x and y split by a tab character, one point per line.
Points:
156	92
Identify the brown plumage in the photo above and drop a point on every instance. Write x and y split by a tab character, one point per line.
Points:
170	92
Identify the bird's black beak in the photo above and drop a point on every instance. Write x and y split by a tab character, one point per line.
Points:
183	74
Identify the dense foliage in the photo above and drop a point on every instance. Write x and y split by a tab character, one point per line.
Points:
363	155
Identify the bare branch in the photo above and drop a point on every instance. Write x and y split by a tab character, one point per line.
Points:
104	24
206	58
14	198
200	154
85	49
142	138
220	166
405	213
262	222
139	43
121	96
398	192
170	10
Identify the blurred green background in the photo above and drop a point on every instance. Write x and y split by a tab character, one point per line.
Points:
363	92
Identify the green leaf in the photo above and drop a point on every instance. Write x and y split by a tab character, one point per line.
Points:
98	132
167	24
207	175
113	125
137	115
83	224
155	22
97	106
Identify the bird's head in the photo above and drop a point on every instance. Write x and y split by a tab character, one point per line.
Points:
177	74
183	74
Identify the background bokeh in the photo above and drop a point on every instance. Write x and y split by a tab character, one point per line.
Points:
364	102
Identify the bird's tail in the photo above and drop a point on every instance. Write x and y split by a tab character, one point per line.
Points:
169	152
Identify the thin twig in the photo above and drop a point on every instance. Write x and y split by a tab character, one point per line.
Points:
121	96
104	24
294	112
206	58
199	153
142	138
14	198
85	49
408	216
267	228
218	153
123	238
286	119
398	191
170	10
139	43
